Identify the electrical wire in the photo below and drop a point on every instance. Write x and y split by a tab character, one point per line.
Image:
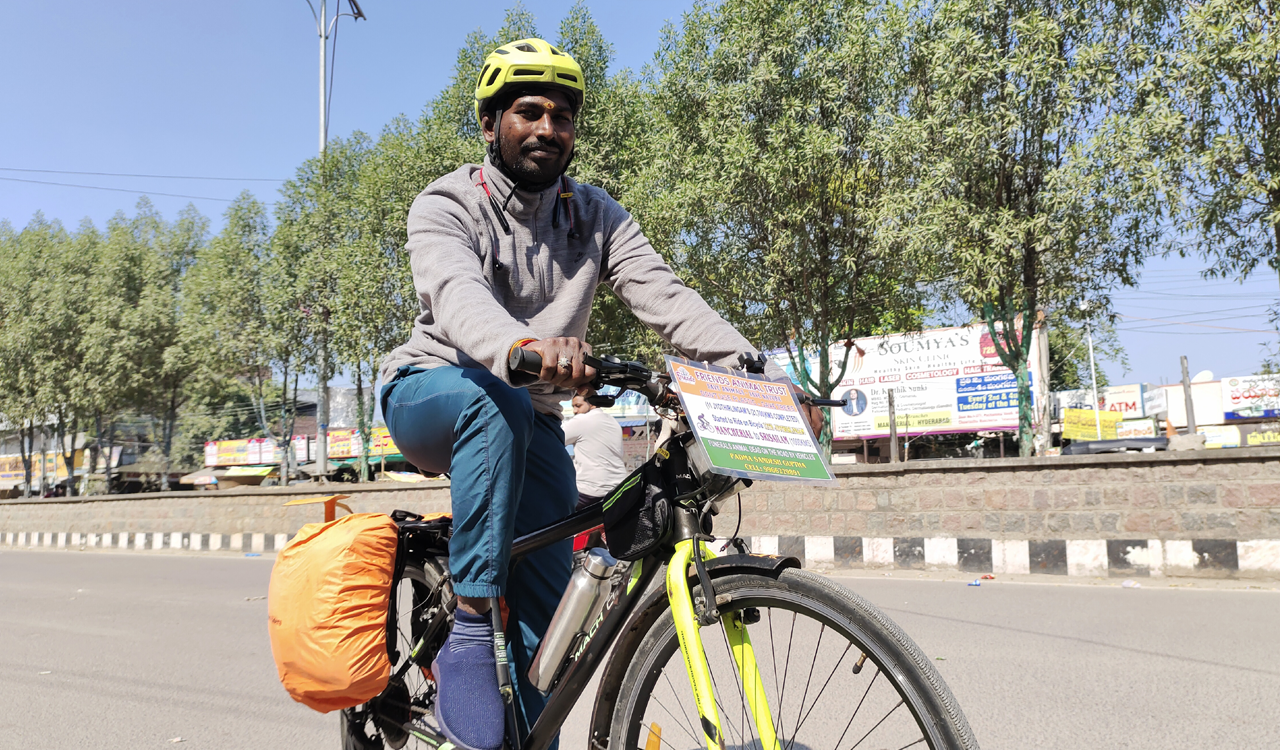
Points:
1196	325
149	176
119	190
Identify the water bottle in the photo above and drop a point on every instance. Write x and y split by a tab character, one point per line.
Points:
582	602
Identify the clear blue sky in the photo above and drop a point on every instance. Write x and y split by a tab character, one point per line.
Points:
230	90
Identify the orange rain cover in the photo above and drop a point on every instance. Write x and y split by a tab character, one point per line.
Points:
327	610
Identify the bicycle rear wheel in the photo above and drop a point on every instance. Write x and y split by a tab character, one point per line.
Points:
837	674
390	719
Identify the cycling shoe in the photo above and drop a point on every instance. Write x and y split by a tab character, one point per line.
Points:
469	707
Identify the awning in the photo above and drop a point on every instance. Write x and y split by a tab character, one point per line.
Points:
204	476
250	471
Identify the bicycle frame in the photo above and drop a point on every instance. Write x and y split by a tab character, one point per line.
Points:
602	634
588	657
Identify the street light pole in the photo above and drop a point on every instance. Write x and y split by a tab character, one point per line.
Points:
324	27
1093	380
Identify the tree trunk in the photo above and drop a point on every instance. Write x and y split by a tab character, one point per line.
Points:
69	456
1026	432
27	447
362	465
44	464
111	449
95	451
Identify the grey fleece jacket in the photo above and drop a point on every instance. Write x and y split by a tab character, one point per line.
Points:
481	290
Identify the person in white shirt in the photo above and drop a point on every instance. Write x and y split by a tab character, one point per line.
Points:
597	450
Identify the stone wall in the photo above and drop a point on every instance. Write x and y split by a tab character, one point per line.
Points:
1221	494
248	510
1226	494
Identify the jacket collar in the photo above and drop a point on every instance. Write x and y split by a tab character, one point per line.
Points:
522	204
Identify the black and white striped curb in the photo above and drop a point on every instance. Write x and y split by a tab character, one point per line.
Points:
148	541
1069	557
1066	557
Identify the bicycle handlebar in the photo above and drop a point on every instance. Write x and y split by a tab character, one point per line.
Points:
626	375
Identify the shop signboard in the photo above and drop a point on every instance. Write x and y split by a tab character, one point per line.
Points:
1127	400
1144	427
1220	436
944	380
301	448
54	467
1266	433
1082	424
344	443
1251	397
233	453
748	426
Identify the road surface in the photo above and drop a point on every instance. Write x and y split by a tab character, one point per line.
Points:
123	651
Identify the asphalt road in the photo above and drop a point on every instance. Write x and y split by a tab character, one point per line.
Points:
123	650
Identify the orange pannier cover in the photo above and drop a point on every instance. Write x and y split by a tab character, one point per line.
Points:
327	610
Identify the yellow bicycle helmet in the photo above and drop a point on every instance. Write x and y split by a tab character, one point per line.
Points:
531	63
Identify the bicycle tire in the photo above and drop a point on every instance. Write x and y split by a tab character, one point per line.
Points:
657	671
365	727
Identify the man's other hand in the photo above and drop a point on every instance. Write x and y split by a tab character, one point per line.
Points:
562	361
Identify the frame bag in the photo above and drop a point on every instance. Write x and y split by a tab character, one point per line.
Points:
327	610
639	514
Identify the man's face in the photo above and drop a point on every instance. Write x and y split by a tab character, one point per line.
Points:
580	405
537	135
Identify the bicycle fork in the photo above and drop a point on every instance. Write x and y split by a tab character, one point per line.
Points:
695	659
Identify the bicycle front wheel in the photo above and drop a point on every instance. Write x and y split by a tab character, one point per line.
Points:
835	672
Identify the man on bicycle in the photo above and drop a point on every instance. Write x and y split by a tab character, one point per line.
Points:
508	254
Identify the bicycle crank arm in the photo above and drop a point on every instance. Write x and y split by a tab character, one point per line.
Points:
687	629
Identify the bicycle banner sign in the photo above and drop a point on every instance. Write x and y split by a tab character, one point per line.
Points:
748	426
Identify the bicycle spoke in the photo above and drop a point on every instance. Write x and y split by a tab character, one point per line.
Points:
800	710
878	723
823	689
687	722
913	744
859	707
782	694
715	688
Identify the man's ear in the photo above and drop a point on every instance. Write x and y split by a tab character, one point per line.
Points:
486	126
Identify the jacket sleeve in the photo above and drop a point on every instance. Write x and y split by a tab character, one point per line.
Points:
448	275
572	430
642	280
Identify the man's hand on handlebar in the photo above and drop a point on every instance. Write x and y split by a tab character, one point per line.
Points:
562	363
817	418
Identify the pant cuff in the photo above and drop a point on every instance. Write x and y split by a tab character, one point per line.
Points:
476	590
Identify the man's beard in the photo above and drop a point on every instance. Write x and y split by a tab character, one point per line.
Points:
529	174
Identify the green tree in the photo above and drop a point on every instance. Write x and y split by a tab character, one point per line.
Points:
243	316
1224	74
1023	180
19	397
768	174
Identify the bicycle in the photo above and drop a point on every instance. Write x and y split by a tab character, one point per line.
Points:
689	661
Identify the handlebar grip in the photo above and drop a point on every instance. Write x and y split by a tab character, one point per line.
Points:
831	402
523	360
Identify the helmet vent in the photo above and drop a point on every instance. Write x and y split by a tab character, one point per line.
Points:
526	47
567	77
555	51
501	51
497	71
527	72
